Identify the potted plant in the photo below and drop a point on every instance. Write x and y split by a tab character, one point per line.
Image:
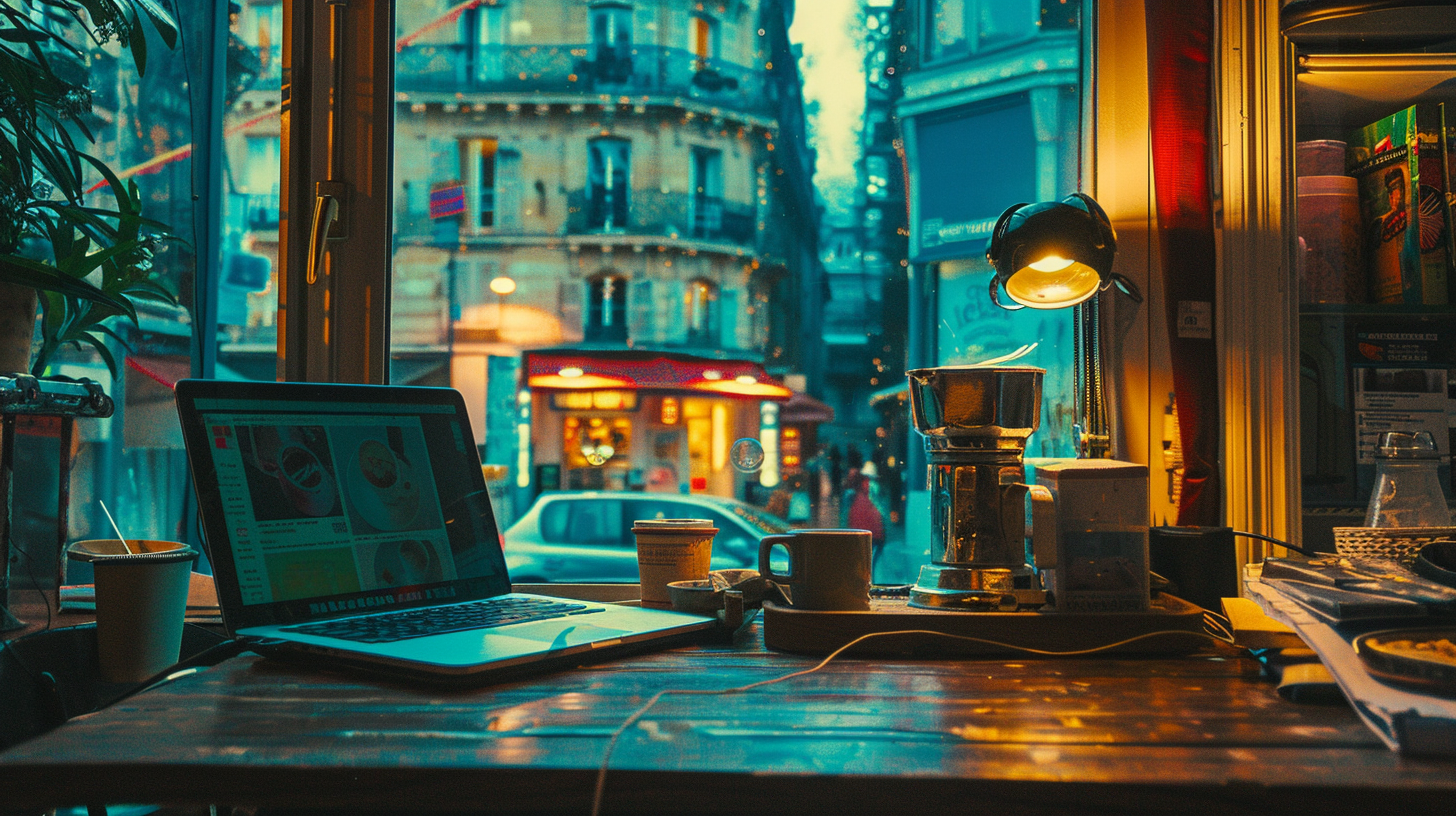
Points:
78	245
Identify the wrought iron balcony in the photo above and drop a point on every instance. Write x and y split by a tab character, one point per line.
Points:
554	70
650	212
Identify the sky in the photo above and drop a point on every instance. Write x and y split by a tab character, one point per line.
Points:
833	72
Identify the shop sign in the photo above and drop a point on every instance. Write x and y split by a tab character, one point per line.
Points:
967	165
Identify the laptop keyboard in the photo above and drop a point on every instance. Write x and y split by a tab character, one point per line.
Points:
413	623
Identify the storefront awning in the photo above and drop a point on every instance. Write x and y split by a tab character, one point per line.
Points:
802	409
650	371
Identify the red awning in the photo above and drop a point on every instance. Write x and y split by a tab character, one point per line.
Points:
650	371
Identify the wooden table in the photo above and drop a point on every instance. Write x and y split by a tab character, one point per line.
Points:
1205	733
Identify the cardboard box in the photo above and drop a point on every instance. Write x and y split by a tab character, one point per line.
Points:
1400	164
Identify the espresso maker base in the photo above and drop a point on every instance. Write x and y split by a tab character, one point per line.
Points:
975	589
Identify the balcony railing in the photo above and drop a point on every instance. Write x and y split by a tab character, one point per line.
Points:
650	212
580	69
261	211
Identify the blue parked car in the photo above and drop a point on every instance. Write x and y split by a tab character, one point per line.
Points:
586	536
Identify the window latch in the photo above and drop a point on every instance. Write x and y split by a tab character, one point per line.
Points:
325	216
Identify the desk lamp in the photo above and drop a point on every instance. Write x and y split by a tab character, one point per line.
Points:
1055	254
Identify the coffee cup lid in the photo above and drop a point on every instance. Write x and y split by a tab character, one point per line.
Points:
672	525
112	550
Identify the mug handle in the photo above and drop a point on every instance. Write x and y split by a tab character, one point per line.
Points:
764	545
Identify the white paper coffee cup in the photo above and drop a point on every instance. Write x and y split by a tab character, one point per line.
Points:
141	599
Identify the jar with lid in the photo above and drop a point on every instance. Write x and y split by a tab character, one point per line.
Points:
1407	492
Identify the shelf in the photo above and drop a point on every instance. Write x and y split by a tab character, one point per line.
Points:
1374	25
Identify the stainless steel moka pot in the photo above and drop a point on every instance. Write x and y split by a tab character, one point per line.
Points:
975	421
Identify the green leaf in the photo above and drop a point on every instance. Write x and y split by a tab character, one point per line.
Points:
161	20
24	271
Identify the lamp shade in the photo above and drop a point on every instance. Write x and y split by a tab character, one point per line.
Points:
1051	254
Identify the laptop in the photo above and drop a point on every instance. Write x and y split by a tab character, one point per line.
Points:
349	526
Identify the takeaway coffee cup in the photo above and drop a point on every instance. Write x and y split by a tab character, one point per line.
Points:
828	569
141	598
671	550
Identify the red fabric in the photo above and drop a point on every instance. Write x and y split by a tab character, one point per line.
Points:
1179	97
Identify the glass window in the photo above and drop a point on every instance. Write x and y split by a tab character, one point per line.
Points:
583	521
607	308
946	28
707	192
702	312
703	38
166	134
478	160
609	174
705	207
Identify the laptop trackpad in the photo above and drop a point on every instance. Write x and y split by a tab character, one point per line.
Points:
559	635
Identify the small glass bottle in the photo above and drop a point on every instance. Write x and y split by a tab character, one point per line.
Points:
1407	492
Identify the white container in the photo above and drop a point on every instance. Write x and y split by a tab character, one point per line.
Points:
141	599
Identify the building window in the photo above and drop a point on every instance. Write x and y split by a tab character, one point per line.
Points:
606	314
611	29
959	27
485	26
707	197
947	24
701	312
478	163
609	172
703	39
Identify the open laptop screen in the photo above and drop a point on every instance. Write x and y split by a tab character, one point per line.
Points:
327	500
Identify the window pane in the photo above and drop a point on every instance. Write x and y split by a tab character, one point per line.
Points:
706	209
143	128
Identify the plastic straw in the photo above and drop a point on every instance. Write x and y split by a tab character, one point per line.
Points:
129	550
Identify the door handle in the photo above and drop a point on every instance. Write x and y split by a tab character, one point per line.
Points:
325	213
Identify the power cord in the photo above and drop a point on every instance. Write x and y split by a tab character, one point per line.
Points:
1285	544
601	784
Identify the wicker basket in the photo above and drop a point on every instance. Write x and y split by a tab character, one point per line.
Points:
1400	543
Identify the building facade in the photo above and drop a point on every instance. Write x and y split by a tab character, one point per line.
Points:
604	233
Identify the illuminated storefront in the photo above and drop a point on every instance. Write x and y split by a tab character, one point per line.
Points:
630	420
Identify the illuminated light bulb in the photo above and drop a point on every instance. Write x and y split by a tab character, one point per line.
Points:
571	371
1051	263
745	379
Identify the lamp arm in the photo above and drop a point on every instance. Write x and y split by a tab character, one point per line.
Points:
996	296
1125	285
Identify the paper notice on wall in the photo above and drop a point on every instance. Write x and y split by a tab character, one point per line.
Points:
1400	399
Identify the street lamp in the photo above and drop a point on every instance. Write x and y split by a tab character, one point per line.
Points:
502	286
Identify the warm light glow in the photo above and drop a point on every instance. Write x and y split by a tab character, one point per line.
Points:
1053	288
749	389
712	374
1051	263
580	381
719	457
669	413
571	371
502	285
745	379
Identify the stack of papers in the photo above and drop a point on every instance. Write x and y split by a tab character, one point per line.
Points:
1406	720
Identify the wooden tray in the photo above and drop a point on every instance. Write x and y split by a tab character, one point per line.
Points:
1171	626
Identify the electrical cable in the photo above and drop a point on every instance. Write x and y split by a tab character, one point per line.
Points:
601	783
35	584
1285	544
